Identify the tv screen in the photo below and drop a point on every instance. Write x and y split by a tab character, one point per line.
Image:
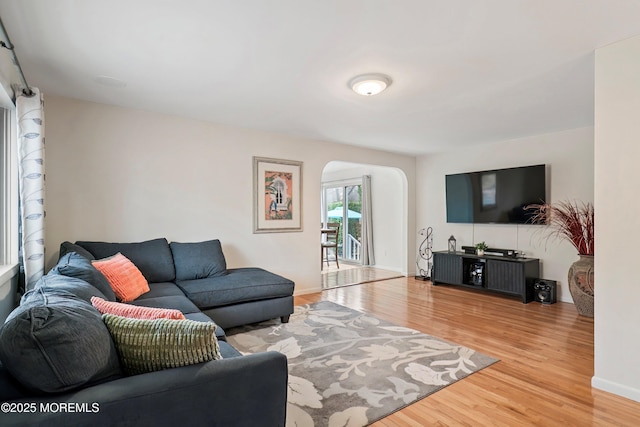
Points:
495	196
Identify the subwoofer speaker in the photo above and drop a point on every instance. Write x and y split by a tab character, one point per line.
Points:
544	291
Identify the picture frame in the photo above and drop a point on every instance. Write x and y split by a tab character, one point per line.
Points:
277	195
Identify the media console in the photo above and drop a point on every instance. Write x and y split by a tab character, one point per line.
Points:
493	273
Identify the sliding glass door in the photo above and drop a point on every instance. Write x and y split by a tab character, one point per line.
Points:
342	203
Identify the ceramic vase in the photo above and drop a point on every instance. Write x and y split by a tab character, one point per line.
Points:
581	284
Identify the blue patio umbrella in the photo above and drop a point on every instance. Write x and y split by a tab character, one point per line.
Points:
337	213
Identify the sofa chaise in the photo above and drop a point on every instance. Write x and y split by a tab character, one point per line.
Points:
61	365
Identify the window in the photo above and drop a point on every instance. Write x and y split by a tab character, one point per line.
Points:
8	189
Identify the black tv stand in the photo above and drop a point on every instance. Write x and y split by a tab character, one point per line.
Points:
490	273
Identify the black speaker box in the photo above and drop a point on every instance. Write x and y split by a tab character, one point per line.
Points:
544	291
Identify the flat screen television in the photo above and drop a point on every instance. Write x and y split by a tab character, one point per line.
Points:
495	196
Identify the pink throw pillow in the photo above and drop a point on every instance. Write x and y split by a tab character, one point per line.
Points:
134	311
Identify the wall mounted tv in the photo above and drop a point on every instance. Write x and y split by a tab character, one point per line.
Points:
495	196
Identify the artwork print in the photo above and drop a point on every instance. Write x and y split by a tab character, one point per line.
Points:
277	194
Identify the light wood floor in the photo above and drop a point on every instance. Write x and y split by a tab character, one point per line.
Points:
348	274
544	374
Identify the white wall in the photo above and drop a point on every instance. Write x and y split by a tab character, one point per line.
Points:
617	173
388	188
569	159
118	174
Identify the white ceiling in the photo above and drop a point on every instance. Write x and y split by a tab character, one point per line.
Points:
464	71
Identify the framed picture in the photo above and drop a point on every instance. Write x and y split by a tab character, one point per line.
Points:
277	195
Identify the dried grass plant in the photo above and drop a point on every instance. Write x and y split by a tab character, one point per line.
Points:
572	221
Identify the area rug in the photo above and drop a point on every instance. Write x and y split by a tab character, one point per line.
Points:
348	368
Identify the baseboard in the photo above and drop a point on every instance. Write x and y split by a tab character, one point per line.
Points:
615	388
383	267
305	291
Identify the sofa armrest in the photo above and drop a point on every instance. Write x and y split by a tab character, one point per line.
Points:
238	391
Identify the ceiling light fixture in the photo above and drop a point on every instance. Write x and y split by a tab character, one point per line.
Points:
369	84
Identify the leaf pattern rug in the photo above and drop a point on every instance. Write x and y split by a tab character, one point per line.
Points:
348	368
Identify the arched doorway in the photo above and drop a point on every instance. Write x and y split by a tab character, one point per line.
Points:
342	201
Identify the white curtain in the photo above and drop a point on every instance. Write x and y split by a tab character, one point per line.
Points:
367	223
29	110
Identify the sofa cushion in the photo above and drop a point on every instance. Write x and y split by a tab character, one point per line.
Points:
152	257
75	265
53	282
135	311
163	289
66	247
55	342
125	279
181	303
201	317
227	351
240	285
198	260
153	345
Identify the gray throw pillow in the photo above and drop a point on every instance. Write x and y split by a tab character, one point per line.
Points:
74	265
56	342
56	284
66	247
198	260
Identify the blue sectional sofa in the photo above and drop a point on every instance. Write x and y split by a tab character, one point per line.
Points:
60	366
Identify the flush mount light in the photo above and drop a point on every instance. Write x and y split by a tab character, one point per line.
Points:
369	84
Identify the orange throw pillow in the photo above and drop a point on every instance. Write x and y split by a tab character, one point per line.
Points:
125	279
134	311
